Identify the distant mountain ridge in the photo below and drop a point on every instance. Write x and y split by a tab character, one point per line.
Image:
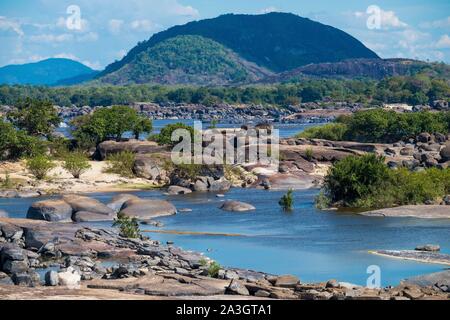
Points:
46	72
276	41
375	69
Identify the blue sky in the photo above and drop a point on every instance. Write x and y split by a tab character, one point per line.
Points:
32	30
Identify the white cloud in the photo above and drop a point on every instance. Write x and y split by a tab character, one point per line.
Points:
10	25
443	23
51	38
115	25
88	37
185	11
388	19
443	42
268	10
144	25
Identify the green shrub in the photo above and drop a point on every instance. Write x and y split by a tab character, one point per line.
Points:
128	226
287	201
122	163
213	269
309	153
76	163
366	182
355	177
330	131
7	182
39	166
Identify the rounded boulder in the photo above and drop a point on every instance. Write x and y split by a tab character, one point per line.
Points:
50	210
82	203
236	206
147	209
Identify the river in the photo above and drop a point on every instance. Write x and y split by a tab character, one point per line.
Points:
315	245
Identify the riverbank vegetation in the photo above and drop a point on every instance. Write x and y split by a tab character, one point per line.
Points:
414	90
366	182
382	126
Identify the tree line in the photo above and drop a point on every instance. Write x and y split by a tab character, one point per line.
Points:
414	90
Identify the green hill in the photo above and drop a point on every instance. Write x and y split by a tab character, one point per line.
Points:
186	60
277	41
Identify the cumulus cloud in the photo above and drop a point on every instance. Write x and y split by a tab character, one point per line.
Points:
443	23
51	38
115	25
388	19
443	42
144	25
10	25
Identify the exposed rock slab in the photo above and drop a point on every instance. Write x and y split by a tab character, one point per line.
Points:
439	278
422	256
413	211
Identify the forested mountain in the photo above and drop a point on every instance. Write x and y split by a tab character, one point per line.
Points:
276	41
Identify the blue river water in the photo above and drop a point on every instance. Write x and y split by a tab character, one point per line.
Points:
315	245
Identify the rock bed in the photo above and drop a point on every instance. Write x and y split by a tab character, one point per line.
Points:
145	267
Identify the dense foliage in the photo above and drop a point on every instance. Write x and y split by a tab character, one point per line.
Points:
367	182
165	136
36	117
378	125
389	90
185	60
109	123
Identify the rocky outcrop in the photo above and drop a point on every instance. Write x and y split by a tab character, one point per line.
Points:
149	166
50	210
236	206
107	148
148	209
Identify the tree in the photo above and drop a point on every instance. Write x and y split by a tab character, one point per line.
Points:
142	125
165	136
39	166
36	117
8	138
106	123
76	163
